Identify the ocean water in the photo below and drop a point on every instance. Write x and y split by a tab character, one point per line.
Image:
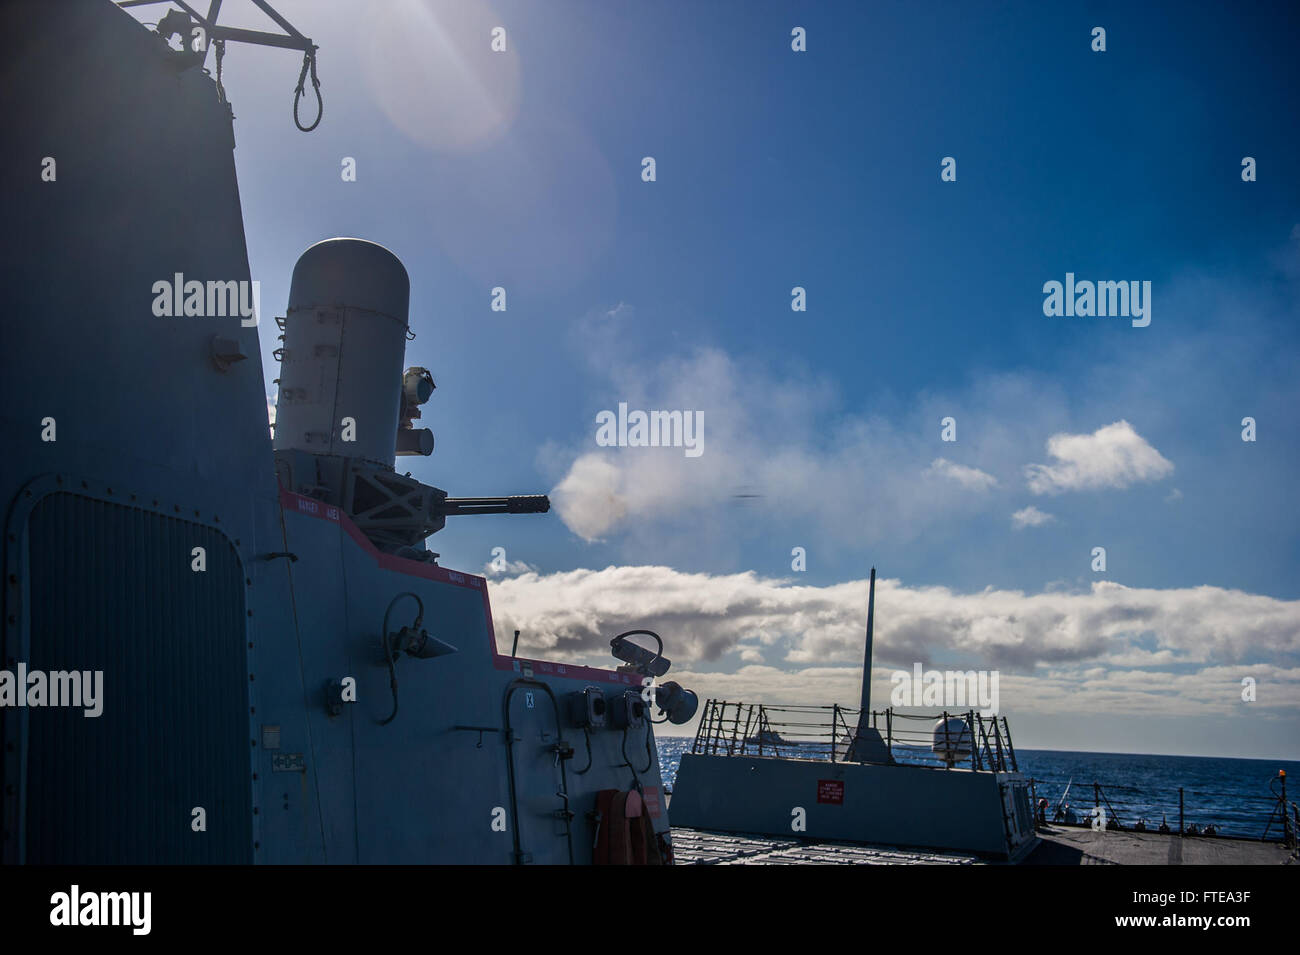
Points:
1233	794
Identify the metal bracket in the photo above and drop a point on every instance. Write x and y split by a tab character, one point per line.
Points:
480	730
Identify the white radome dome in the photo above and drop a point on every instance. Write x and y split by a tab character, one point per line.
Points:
952	739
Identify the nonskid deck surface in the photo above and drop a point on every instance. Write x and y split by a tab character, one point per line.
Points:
704	847
1060	845
1064	845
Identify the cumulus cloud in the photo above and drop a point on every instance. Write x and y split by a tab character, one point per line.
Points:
968	477
1109	652
570	616
1084	692
1030	517
1111	457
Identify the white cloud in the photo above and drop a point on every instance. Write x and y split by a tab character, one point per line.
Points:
511	568
967	477
1073	666
1030	517
702	617
1206	692
1111	457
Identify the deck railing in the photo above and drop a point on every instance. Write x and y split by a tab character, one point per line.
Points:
730	728
1117	806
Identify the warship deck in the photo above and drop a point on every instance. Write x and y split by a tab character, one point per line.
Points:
1059	846
705	847
1064	845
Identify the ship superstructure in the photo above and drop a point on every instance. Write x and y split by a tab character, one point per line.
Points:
287	673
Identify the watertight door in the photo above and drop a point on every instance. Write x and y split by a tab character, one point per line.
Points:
540	802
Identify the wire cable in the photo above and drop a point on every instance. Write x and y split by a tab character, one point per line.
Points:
590	758
308	62
388	650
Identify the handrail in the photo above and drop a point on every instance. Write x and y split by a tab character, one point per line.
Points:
825	732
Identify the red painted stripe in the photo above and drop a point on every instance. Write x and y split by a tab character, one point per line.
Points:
298	504
563	670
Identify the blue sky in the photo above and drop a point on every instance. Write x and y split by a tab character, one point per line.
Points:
821	169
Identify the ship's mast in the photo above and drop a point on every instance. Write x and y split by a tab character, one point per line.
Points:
866	659
867	746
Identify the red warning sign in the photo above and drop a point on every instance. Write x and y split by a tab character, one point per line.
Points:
830	791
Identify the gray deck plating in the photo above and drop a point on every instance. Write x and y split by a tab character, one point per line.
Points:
1059	846
704	847
1068	846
